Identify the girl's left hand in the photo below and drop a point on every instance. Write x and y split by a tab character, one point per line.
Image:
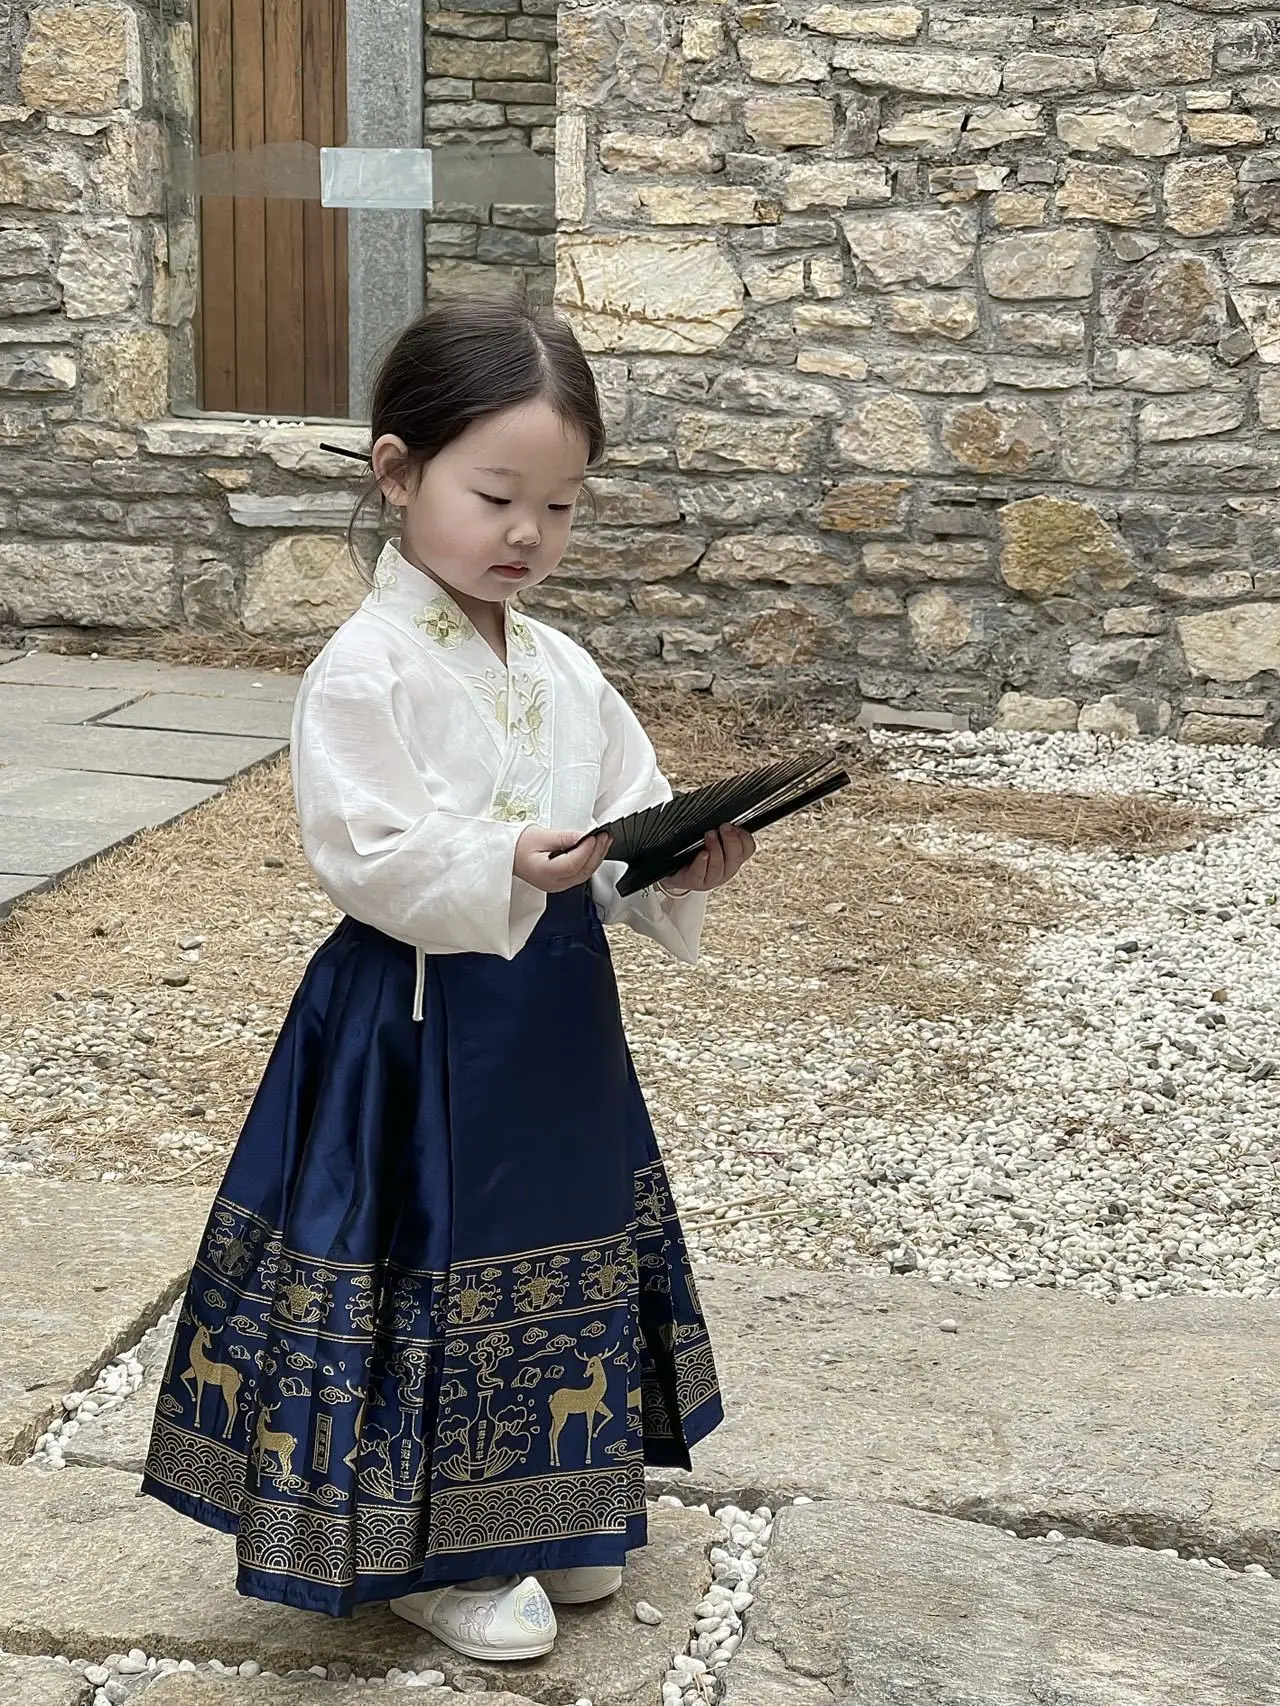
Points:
724	853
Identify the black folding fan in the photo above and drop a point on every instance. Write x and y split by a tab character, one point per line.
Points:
658	841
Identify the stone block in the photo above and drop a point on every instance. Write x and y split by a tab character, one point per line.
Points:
949	560
82	59
193	714
1148	61
1126	716
126	376
631	554
492	60
1199	196
710	442
1097	439
48	178
1225	130
866	506
861	1602
41	1682
86	1269
630	56
28	296
929	247
793	559
930	130
940	624
1037	266
789	121
1039	1412
1145	125
1171	299
1256	260
1231	645
1138	620
139	1574
1025	713
1055	546
22	704
99	270
1260	312
835	183
689	151
14	888
40	372
186	1689
41	847
304	586
639	293
1000	437
1198	416
99	585
1052	333
1048	74
774	281
784	59
783	635
939	314
1200	730
919	73
990	127
751	388
1160	370
1117	195
1113	662
136	752
714	205
886	434
702	38
137	676
895	23
940	375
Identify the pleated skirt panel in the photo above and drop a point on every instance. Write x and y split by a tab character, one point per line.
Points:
442	1313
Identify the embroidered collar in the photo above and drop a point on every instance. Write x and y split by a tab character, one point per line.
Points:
435	613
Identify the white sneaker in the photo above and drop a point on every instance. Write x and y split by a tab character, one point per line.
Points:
500	1618
580	1587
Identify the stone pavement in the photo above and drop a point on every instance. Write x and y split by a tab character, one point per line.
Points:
94	750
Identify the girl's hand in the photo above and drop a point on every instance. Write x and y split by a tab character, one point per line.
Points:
724	853
534	865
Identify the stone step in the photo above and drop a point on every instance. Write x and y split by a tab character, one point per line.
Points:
84	1270
92	1568
120	1438
184	1689
40	1682
868	1603
1036	1414
1156	1423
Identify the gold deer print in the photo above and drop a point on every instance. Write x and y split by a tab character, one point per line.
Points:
264	1440
586	1400
202	1372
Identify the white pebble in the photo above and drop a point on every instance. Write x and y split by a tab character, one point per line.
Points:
646	1613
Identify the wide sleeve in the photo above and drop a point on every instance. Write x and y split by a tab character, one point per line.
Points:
630	780
377	838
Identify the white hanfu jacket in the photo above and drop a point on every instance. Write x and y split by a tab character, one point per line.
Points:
419	760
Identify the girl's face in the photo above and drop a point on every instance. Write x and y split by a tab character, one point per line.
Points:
491	513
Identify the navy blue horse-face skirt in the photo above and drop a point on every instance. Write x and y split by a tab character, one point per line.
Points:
442	1314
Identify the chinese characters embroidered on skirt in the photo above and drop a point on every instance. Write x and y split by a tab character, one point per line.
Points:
442	1313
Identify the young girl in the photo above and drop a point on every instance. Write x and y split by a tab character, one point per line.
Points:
442	1314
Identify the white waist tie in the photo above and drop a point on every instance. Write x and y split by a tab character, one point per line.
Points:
420	984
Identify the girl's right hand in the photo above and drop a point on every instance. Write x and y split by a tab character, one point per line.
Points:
534	865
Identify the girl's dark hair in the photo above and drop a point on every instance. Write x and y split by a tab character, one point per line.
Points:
463	360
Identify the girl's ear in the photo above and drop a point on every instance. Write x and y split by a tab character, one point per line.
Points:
390	458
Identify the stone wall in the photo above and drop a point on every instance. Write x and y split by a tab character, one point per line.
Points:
113	514
491	70
942	350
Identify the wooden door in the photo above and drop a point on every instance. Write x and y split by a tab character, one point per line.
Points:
272	321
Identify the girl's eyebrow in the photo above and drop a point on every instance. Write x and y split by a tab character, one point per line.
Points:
511	473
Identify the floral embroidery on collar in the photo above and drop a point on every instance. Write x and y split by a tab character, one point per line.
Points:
384	576
444	623
519	634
